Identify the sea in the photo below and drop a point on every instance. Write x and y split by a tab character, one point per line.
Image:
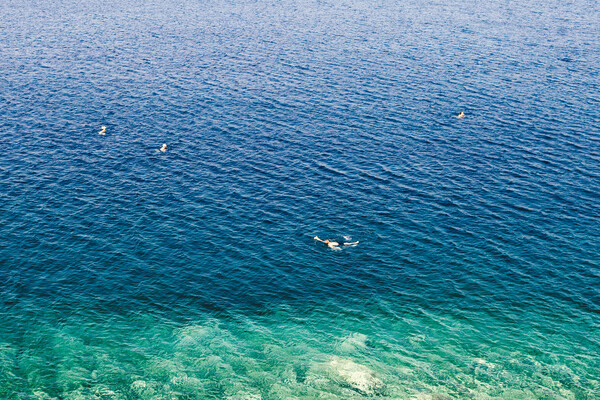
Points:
131	273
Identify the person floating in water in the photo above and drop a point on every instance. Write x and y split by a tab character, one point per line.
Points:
164	147
335	245
461	115
103	131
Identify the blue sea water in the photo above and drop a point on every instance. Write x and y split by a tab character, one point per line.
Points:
128	273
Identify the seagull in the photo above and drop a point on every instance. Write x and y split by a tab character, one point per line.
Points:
103	131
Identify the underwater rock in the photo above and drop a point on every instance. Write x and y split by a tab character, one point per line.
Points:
189	383
139	385
100	392
357	341
238	390
245	396
194	335
482	362
142	389
355	375
40	395
431	396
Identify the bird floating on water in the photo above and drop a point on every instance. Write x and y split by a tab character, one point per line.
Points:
103	131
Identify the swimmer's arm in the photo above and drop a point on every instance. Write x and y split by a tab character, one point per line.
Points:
351	243
317	238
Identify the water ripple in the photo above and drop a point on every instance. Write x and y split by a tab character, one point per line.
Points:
128	272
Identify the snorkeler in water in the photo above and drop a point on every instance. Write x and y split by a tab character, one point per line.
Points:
335	245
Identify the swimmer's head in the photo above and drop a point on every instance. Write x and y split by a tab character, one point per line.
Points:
164	147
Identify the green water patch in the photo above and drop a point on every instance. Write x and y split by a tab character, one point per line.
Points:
291	354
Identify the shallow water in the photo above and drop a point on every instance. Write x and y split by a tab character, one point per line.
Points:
127	273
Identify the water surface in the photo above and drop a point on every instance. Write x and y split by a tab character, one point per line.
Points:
127	273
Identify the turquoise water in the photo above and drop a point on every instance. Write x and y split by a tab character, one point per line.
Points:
129	273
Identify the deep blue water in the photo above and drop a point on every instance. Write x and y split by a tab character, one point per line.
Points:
128	273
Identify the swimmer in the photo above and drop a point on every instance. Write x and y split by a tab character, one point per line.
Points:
103	131
163	148
334	244
461	115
